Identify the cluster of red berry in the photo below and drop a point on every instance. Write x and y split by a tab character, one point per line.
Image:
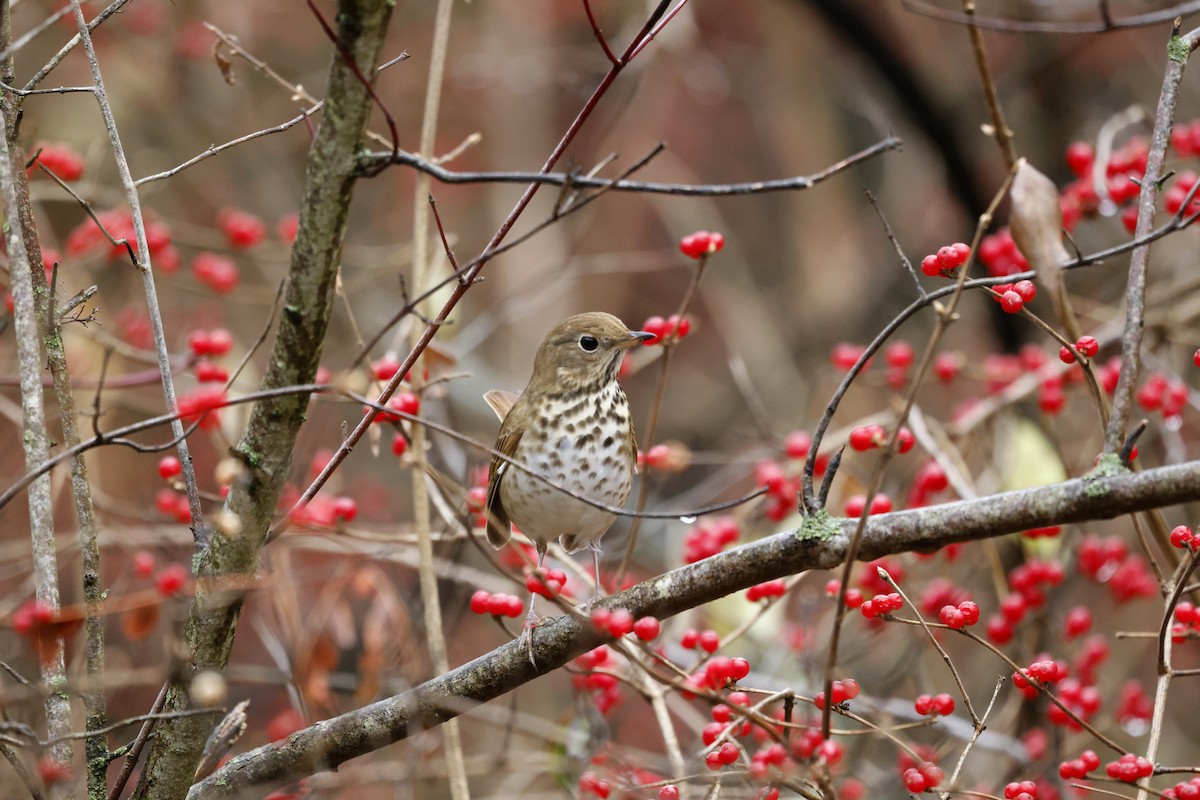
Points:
1109	561
546	582
959	616
922	778
709	538
1086	346
498	604
869	437
766	590
667	330
840	692
1184	790
1079	767
619	621
938	705
604	686
881	605
1129	768
946	261
1012	297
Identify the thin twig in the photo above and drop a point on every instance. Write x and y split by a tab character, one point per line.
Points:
199	533
608	53
962	689
1135	311
1039	26
1000	128
887	229
668	343
135	751
798	183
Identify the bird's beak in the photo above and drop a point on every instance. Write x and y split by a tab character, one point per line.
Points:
635	337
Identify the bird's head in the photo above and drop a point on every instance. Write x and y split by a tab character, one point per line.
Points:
583	351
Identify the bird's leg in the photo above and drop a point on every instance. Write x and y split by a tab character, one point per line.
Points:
599	590
531	615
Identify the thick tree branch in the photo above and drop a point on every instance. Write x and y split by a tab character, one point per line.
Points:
328	744
266	447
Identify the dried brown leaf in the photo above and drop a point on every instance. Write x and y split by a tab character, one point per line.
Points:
1037	224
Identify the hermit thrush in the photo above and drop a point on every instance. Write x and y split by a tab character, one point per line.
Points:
572	426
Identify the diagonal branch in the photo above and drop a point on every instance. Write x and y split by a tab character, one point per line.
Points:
329	743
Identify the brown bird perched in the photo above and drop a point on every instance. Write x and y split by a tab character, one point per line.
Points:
571	425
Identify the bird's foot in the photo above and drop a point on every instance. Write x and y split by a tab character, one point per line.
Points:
526	640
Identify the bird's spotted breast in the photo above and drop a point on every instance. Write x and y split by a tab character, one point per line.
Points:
586	450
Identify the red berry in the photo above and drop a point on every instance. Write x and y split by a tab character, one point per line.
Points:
669	792
208	372
287	226
170	580
215	271
713	760
931	266
846	355
905	440
241	229
740	668
797	444
479	601
1065	355
1088	346
657	326
1078	622
385	368
601	619
914	781
646	628
62	160
709	641
943	704
1011	302
1181	536
345	508
679	326
169	467
899	354
866	437
143	563
947	366
620	622
999	630
1079	158
690	638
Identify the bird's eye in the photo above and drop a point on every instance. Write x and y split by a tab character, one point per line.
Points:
588	343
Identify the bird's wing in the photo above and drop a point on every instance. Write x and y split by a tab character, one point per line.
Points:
498	530
500	401
633	451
